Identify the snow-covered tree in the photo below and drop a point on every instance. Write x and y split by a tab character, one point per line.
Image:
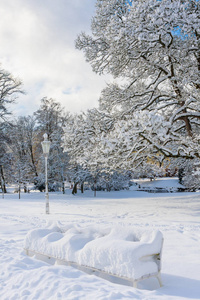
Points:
84	141
22	144
51	119
191	175
50	116
10	88
5	166
153	47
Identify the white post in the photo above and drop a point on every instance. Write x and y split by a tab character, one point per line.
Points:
45	148
46	187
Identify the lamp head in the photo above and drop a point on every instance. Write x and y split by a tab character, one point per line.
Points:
45	145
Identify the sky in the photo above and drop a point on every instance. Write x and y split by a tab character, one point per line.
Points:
38	46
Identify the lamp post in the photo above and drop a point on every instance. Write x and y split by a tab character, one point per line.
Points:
45	147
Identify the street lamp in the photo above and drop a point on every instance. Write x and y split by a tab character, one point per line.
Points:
45	147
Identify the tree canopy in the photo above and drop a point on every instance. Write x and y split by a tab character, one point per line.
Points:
153	47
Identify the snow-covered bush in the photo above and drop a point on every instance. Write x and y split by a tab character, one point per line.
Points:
191	176
39	184
112	181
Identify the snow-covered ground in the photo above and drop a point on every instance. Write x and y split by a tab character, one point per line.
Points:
176	215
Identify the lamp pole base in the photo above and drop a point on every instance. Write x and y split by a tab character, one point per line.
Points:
47	204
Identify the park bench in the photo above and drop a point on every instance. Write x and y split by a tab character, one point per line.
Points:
119	252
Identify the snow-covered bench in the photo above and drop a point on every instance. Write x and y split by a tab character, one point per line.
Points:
121	252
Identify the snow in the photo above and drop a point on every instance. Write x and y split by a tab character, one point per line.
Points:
176	215
159	183
116	250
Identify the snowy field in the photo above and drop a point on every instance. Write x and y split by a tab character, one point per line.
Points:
176	215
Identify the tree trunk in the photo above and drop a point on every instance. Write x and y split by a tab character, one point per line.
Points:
74	191
33	162
19	184
82	188
25	188
63	187
95	188
3	185
108	188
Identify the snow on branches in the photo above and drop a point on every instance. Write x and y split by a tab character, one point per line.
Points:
154	48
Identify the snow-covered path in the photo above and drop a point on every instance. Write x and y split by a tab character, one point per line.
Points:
177	215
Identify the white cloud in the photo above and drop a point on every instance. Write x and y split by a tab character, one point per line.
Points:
37	45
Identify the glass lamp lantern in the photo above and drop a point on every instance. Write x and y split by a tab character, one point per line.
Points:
46	145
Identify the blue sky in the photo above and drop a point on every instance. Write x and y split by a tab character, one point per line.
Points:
37	45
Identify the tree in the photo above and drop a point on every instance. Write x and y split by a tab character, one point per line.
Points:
22	142
10	88
154	47
5	165
51	118
94	146
75	141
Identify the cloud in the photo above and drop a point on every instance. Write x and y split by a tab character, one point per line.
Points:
37	45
